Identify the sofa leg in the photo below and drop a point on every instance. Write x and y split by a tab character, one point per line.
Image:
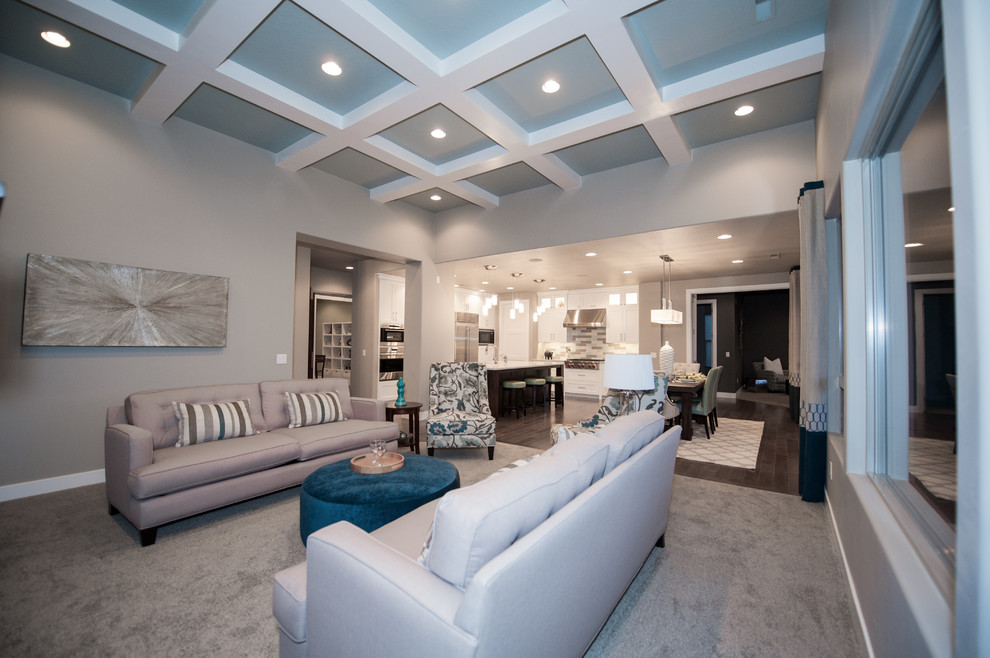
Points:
491	452
429	451
148	536
113	510
662	541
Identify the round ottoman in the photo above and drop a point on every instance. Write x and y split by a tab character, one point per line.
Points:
336	493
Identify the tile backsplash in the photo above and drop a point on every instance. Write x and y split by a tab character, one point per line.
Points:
587	343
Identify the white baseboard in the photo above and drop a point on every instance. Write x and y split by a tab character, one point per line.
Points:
849	579
48	485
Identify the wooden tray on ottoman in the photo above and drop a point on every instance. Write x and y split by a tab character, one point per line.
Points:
389	462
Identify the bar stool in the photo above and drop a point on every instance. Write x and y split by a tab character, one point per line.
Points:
512	391
537	383
556	384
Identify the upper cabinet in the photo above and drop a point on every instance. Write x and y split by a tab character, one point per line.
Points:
622	323
391	299
550	327
587	299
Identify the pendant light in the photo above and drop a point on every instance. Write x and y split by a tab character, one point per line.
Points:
666	313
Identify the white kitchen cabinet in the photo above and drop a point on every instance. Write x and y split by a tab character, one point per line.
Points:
622	324
388	391
467	301
550	327
583	382
391	299
587	299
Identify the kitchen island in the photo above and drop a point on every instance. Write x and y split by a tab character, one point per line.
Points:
519	370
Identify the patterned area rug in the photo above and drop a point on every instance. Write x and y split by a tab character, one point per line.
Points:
735	443
932	462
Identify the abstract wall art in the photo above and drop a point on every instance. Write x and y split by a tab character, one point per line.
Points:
70	302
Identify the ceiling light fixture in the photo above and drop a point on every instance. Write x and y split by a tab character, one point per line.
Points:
553	287
737	261
743	110
591	253
332	68
725	236
438	134
509	288
952	208
435	197
912	245
627	271
56	39
666	314
349	267
551	86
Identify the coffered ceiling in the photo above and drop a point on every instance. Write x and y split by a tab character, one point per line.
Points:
636	80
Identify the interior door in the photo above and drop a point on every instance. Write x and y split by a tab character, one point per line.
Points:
704	334
940	349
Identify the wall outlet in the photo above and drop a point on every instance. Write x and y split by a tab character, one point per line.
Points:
727	355
281	359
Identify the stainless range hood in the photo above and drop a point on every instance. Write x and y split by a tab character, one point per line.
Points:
585	317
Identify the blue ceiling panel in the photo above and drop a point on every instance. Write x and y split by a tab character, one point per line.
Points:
171	14
615	150
290	47
585	86
774	107
89	59
679	39
509	180
446	201
461	139
219	111
359	168
445	27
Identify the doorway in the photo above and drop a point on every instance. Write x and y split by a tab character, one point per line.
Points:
704	334
935	348
330	335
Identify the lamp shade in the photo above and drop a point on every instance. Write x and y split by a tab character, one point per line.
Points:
628	372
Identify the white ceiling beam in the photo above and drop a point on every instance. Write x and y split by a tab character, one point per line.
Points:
669	139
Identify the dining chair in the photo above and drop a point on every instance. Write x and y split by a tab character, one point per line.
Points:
320	366
703	408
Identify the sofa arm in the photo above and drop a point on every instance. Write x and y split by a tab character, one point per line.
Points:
368	408
356	586
125	448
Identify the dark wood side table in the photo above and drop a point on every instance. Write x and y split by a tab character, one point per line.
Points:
410	409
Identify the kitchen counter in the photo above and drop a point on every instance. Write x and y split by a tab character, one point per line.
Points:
500	372
515	365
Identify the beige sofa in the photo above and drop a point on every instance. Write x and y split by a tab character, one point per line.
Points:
151	481
529	562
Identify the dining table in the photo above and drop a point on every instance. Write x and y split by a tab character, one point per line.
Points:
686	389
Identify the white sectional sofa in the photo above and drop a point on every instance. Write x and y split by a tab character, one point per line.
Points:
152	481
529	562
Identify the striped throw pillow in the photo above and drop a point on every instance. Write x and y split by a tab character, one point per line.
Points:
199	423
313	408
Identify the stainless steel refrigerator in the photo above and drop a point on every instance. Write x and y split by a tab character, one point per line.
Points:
466	337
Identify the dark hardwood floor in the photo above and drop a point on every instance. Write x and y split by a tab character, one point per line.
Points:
777	464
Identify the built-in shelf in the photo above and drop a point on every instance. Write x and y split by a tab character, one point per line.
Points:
337	348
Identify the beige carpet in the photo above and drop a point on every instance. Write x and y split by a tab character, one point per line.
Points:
735	443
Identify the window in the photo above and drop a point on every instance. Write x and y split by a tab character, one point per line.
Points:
911	307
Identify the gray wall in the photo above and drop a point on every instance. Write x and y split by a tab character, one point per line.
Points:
87	180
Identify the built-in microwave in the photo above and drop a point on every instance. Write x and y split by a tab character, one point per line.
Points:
486	336
391	333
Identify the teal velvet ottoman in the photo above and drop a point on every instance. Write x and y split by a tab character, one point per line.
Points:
369	501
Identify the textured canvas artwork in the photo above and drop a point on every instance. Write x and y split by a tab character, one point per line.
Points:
71	302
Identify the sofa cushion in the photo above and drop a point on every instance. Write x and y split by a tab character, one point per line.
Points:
275	409
153	411
175	469
327	439
199	423
588	452
625	435
313	408
773	366
474	524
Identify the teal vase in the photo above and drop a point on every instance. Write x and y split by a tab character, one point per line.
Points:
400	401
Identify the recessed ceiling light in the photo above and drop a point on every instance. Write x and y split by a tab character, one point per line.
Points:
743	110
952	208
627	271
55	39
435	197
551	86
484	283
599	284
332	68
553	287
591	253
437	133
724	236
481	290
349	267
738	260
535	260
457	285
911	245
509	288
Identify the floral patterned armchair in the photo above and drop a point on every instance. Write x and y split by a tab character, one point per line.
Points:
460	416
638	401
